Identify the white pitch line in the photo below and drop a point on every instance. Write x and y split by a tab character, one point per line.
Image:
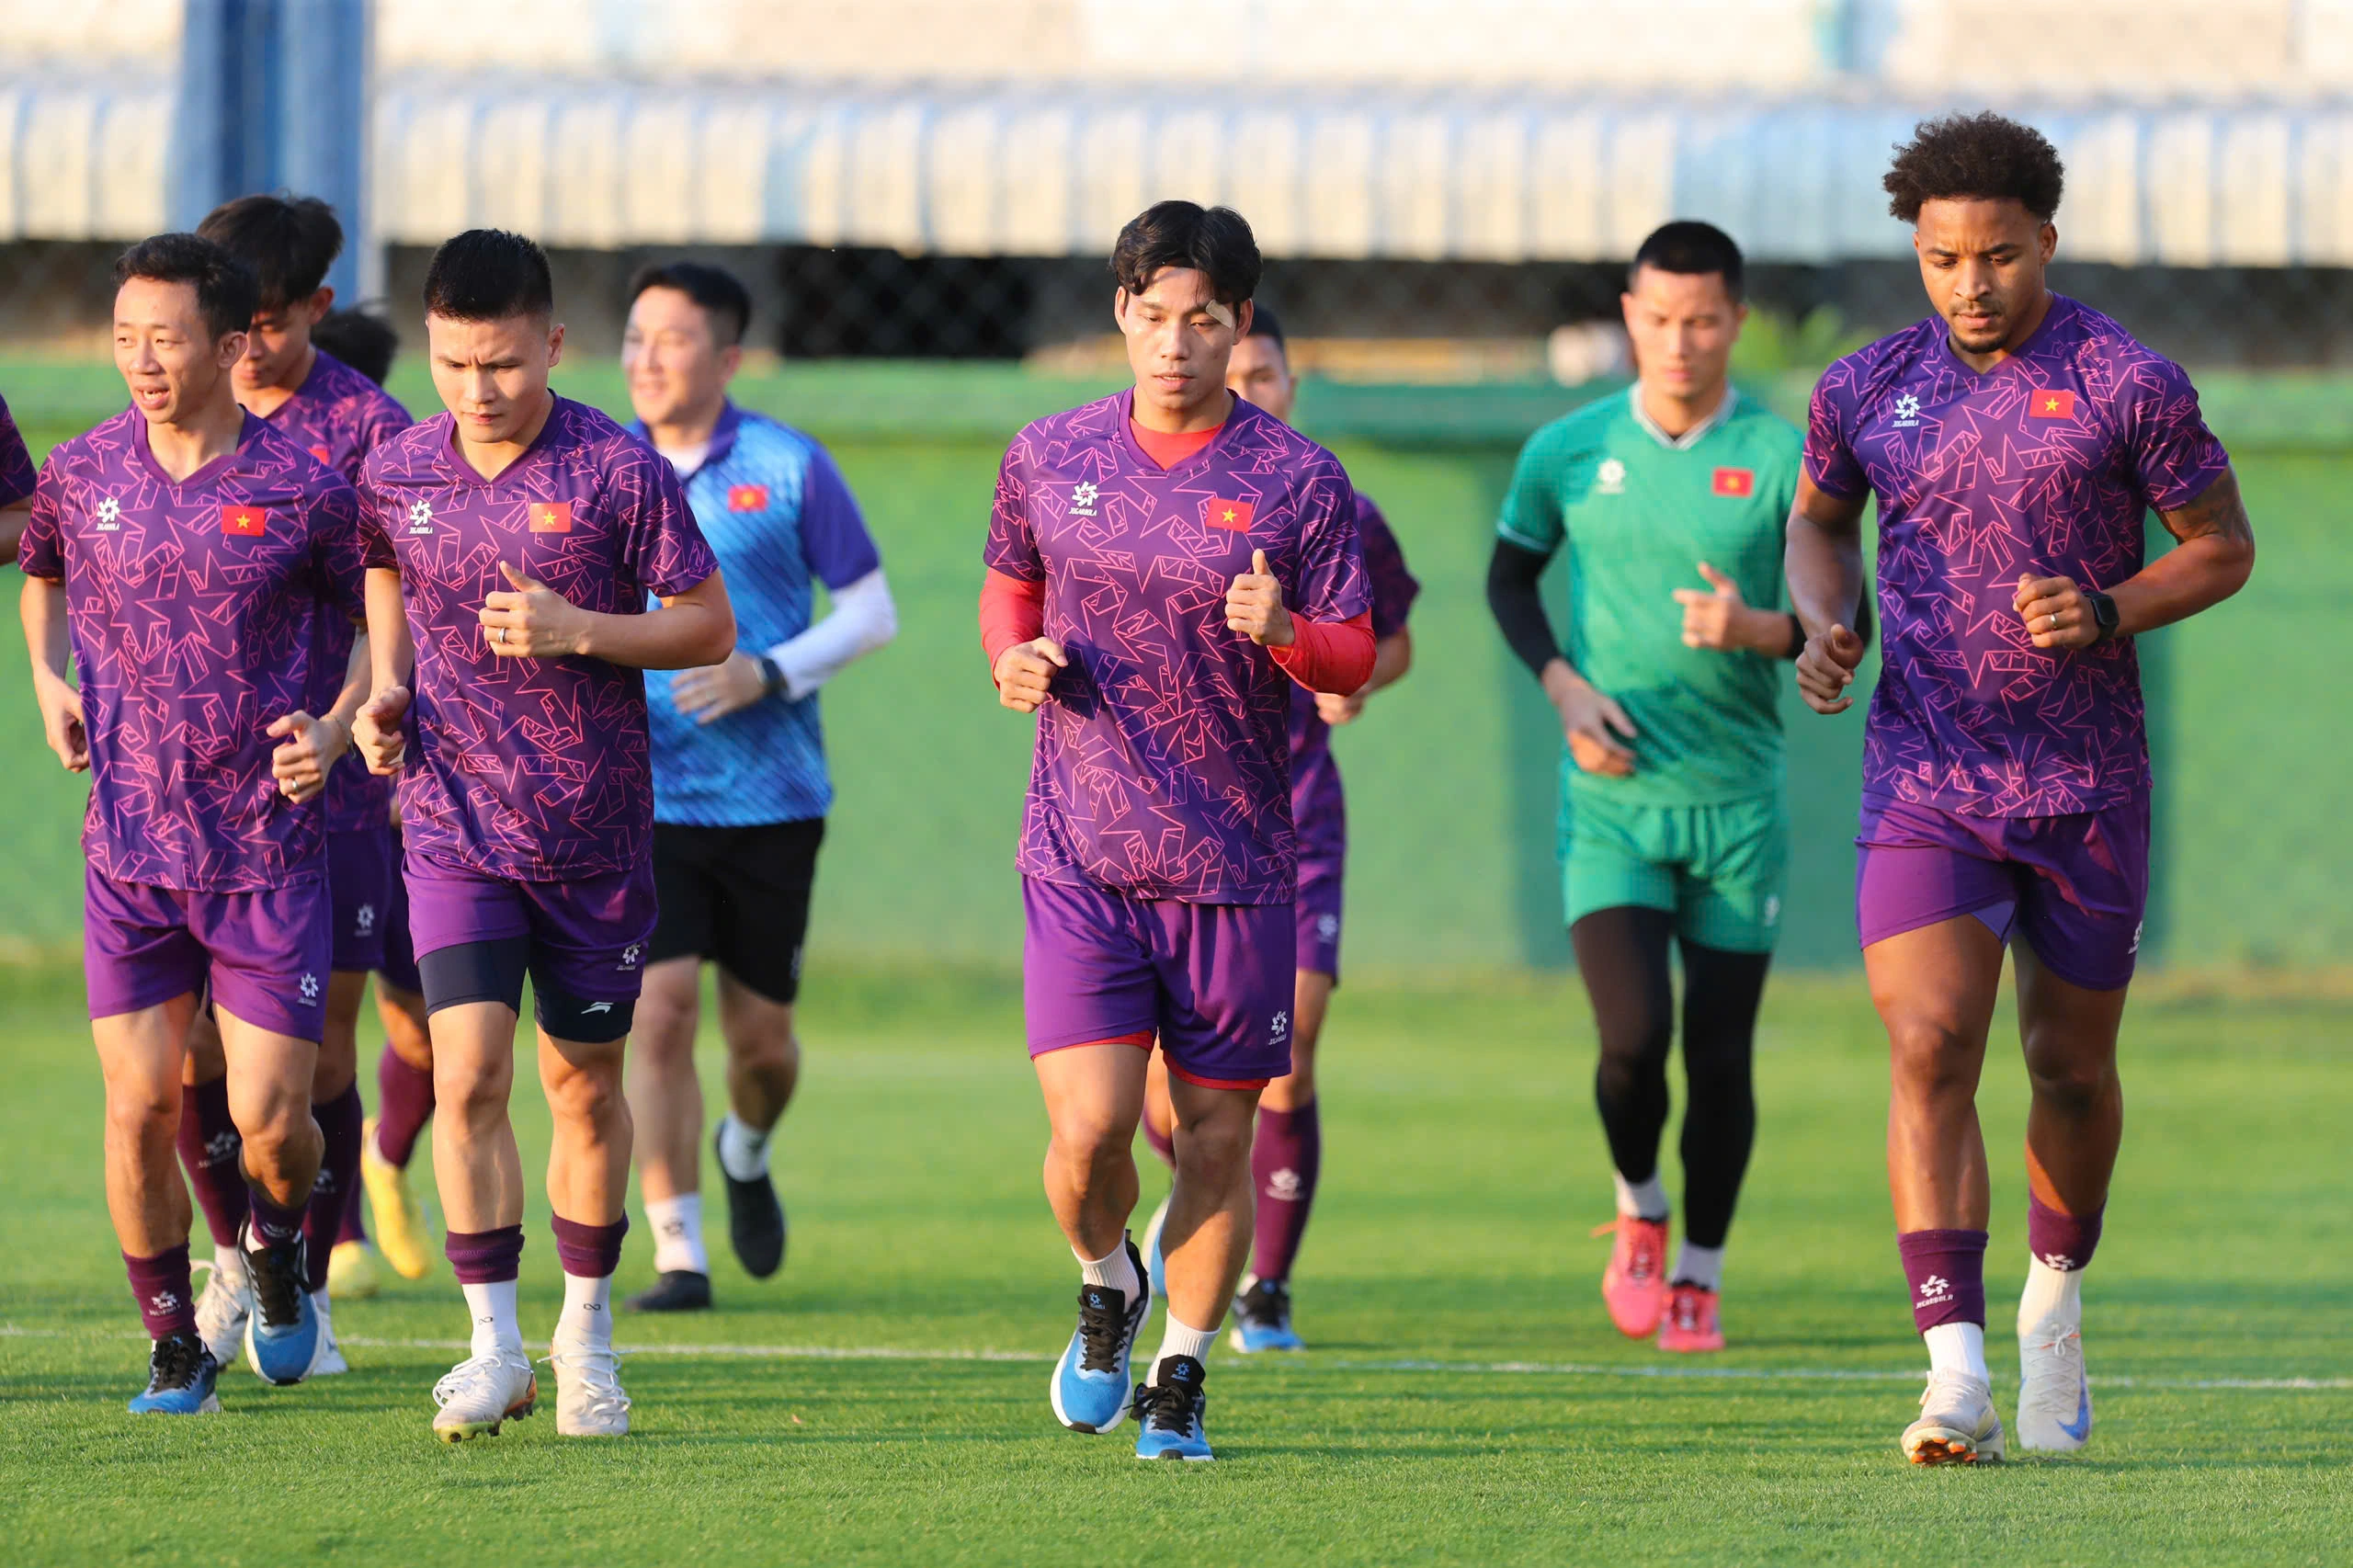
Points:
1310	1362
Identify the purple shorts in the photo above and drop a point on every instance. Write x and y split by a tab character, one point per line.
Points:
2074	887
1315	914
1212	981
265	954
359	879
588	935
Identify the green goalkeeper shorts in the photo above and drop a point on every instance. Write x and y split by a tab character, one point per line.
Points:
1721	870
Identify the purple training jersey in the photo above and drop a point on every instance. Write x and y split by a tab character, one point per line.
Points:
1162	767
16	475
193	611
340	415
529	769
1317	804
2042	466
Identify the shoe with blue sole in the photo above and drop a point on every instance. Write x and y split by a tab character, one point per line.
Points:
1090	1388
1262	1318
1168	1413
284	1337
181	1375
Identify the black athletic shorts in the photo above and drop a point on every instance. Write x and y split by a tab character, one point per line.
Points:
738	896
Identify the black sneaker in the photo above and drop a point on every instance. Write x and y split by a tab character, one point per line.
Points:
180	1375
283	1339
756	1224
677	1290
1262	1319
1168	1413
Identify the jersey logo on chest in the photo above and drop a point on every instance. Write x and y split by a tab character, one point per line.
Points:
1609	479
1232	515
2048	404
550	516
245	522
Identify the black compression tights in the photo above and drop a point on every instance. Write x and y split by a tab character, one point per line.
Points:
1622	955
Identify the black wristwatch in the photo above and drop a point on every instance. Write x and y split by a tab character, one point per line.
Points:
2103	613
771	675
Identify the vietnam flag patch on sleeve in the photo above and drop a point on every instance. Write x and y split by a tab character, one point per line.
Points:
747	497
550	516
1736	481
2047	404
245	522
1234	516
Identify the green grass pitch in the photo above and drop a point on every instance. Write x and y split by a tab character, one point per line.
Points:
1464	1401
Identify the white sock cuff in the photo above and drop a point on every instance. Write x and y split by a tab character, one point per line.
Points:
1957	1347
1176	1339
1646	1200
496	1325
678	1234
1115	1271
743	1152
1697	1265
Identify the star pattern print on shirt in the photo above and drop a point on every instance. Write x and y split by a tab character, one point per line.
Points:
193	630
2042	466
531	769
1318	803
1163	765
339	416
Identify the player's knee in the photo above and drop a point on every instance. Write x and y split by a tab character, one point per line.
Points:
1213	1149
2067	1078
1931	1054
768	1053
140	1111
587	1092
475	1094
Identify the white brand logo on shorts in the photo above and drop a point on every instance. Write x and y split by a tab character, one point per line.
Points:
310	986
598	1007
1284	1186
1611	476
1772	908
629	955
420	517
1327	927
1282	1030
109	516
364	918
1935	1291
1907	412
2137	928
1082	499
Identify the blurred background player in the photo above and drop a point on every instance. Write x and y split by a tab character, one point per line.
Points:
1286	1146
740	786
361	339
1142	555
1670	499
2006	760
17	481
185	522
338	415
512	544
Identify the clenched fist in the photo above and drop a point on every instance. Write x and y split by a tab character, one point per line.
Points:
2054	612
307	751
1254	606
1827	669
376	730
1025	672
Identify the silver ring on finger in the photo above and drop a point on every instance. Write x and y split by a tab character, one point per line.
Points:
2050	623
502	636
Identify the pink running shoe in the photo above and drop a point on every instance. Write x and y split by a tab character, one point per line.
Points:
1634	1284
1690	1325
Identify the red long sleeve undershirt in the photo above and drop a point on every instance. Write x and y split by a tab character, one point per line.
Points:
1324	656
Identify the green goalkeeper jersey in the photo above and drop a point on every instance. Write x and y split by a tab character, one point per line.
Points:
1638	512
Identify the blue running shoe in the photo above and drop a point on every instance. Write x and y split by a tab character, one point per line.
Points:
1090	1383
1168	1413
1262	1319
282	1337
1156	1265
181	1376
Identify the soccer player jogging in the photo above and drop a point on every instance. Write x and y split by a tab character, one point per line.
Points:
184	551
740	786
2014	440
1162	564
337	415
1286	1146
512	545
1670	499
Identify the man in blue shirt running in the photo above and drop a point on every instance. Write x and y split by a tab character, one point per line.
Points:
740	786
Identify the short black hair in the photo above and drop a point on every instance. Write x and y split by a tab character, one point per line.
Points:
488	275
1690	248
1984	156
1213	240
226	294
721	295
360	339
1263	323
289	241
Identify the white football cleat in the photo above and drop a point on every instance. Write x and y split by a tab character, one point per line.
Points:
483	1391
223	1305
2055	1393
589	1398
330	1359
1958	1422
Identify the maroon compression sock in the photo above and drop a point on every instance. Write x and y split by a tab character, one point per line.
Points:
160	1284
1286	1156
338	1121
403	1105
1947	1273
209	1148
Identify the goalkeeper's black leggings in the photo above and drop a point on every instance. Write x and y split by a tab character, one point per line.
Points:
1623	956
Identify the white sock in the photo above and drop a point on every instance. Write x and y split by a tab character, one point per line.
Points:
678	1234
1117	1272
1642	1200
1697	1265
1178	1340
231	1260
1958	1347
496	1327
2050	1293
743	1154
587	1320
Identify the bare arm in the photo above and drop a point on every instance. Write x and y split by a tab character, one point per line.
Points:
13	518
376	728
1824	560
41	605
534	621
1392	657
2216	554
309	748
